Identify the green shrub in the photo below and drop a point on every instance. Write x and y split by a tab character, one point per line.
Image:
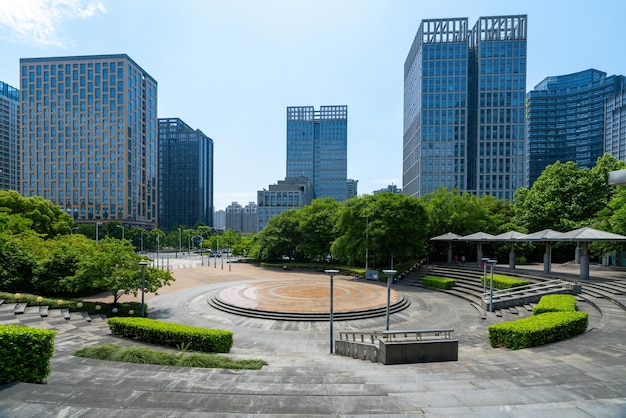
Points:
502	282
555	303
182	359
25	353
173	335
538	330
438	282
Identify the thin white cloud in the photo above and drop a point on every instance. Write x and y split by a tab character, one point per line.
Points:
38	22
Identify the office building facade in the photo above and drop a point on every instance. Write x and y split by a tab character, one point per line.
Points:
185	175
464	93
565	119
615	126
89	137
291	193
9	137
317	148
352	188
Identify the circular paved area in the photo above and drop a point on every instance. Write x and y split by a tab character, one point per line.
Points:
307	296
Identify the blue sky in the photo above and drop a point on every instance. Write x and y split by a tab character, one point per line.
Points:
231	67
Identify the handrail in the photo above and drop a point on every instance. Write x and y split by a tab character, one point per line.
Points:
371	337
522	289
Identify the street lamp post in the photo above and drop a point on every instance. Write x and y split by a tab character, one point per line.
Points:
142	231
121	226
73	229
389	274
143	265
492	263
485	261
179	242
97	231
158	240
367	240
331	273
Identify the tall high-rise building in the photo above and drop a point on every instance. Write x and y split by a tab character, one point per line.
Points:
317	148
234	216
565	119
250	218
89	137
185	175
9	137
615	126
352	188
464	95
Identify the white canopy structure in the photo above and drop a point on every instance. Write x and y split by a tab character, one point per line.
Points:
479	238
545	236
510	237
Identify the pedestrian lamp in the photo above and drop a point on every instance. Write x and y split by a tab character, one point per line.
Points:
179	242
143	265
389	274
492	264
331	273
485	260
121	226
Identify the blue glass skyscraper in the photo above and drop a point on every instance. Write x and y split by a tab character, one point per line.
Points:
565	120
9	137
317	148
464	106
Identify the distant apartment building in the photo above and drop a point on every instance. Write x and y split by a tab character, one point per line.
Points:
9	137
565	119
234	213
250	218
185	175
219	219
317	148
291	193
615	126
89	137
352	188
392	188
464	91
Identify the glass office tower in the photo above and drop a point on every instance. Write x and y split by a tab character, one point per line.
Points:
565	120
464	106
9	137
317	148
89	137
615	126
185	175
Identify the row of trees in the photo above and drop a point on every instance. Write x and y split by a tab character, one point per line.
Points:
42	249
40	254
563	198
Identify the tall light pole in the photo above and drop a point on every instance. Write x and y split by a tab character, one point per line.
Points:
485	261
492	263
367	240
389	274
121	226
143	265
179	242
158	239
97	231
73	229
331	273
142	231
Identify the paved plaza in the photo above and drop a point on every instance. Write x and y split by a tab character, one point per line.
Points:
581	377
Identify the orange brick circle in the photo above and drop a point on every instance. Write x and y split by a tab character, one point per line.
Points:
308	296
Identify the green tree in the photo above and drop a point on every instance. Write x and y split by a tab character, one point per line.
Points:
317	228
114	266
279	238
396	227
47	218
565	197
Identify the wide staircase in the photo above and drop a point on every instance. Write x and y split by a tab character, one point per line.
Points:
598	294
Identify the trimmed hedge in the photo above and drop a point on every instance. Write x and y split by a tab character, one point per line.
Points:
25	353
173	335
438	282
555	303
503	283
92	308
538	330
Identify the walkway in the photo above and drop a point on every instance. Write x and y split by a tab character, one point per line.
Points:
581	377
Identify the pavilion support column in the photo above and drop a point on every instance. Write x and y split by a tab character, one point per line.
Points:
479	251
512	256
450	252
547	259
584	261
